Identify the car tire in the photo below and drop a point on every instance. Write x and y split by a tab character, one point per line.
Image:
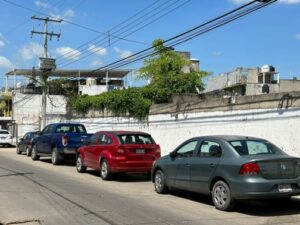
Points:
18	151
160	185
79	165
34	155
104	170
221	196
28	151
55	157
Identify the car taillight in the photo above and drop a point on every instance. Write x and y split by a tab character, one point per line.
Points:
249	169
64	140
121	151
158	151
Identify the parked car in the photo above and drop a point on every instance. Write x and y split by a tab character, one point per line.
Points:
25	143
229	168
118	151
5	138
59	140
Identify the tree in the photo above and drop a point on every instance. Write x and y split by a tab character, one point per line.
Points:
165	70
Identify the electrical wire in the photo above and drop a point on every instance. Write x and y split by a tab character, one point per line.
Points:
66	21
115	33
86	53
192	33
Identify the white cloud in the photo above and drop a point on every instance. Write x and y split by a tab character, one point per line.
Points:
42	4
31	50
298	36
96	63
122	53
5	63
239	2
97	50
217	53
68	52
2	44
67	15
290	1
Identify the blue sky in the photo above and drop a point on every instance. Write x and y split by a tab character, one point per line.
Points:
268	36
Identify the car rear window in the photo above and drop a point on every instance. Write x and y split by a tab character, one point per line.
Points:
136	139
70	128
255	147
3	132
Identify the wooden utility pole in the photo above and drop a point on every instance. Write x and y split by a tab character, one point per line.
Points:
43	60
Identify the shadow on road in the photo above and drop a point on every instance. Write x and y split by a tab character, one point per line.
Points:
263	208
123	177
68	162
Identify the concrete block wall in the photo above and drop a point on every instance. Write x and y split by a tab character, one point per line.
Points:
280	126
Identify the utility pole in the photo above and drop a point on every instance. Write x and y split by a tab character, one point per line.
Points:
46	64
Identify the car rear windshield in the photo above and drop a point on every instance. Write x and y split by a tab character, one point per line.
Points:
70	128
3	132
136	139
255	147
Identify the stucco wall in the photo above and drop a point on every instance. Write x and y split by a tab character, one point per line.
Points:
280	126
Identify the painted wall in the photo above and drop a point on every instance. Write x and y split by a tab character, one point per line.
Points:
280	126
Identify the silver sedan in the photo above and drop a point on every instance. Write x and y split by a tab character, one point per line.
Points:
228	168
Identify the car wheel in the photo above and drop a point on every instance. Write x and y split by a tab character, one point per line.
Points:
55	156
28	151
104	170
160	185
34	155
221	196
79	165
18	150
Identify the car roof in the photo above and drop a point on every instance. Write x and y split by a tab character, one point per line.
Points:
120	132
65	124
231	137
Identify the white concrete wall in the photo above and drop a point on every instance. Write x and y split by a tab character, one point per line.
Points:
27	110
281	127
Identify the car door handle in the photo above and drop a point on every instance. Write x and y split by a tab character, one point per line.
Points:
212	165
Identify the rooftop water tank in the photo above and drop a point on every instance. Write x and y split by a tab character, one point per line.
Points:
267	69
91	81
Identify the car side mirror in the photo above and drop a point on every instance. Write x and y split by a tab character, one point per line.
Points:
21	139
173	155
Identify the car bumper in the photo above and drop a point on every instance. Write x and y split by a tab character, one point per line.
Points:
259	188
70	151
119	165
6	141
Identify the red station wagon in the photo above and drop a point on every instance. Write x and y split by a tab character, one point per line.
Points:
118	151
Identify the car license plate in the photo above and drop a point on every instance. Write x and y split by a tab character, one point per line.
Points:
284	188
140	151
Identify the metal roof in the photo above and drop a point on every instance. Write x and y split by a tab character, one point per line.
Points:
70	73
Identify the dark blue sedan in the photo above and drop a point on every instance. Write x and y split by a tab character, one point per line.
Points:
229	168
25	143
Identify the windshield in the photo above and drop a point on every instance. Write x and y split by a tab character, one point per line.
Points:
136	139
70	128
255	147
3	132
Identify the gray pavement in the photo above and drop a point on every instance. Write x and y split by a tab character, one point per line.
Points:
40	193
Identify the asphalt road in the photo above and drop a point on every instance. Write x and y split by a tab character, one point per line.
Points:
40	193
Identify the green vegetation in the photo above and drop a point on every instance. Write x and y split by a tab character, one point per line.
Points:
165	72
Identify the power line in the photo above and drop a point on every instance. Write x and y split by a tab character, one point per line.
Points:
192	33
87	53
66	21
109	32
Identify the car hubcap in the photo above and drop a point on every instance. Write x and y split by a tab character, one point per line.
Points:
27	151
79	163
53	156
158	182
104	169
33	153
220	196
